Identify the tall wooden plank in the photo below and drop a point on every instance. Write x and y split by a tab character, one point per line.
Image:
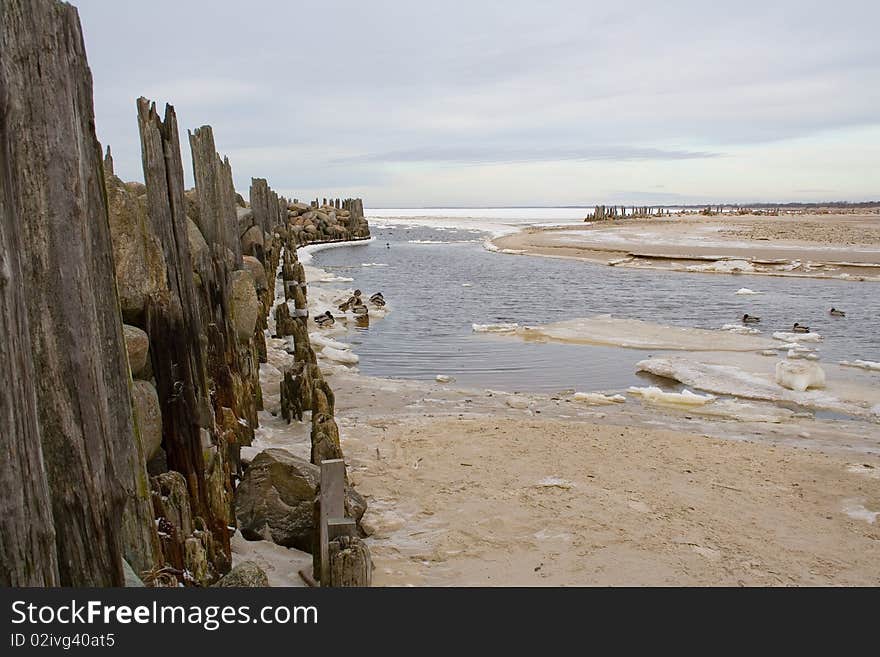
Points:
59	202
27	531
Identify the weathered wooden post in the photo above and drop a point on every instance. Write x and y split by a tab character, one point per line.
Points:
53	193
332	507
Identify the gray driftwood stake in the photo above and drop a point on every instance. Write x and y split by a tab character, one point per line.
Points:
54	163
332	506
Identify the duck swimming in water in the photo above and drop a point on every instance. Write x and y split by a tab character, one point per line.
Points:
360	309
797	328
834	312
750	319
378	300
325	319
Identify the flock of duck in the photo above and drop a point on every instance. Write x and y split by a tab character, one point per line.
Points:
797	327
355	304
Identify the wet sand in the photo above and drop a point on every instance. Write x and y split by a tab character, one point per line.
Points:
819	246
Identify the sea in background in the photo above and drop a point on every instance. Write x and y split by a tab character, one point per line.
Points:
439	279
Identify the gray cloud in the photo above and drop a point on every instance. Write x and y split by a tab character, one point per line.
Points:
345	94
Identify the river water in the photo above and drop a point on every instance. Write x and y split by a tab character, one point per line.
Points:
439	280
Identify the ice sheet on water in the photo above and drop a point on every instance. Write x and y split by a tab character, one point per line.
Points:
737	382
797	337
745	290
869	365
495	328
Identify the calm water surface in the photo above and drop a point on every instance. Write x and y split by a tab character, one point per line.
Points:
430	331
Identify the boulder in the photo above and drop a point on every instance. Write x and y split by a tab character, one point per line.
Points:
199	252
258	271
247	574
148	414
245	304
245	219
137	254
252	242
275	500
137	343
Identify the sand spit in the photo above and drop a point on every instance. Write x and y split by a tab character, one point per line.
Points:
635	334
822	246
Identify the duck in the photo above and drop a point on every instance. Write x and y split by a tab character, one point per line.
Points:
377	299
325	319
750	319
360	309
834	312
353	300
797	328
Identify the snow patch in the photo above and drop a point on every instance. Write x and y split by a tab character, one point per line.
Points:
597	398
655	395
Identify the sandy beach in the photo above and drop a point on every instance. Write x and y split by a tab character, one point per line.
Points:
819	246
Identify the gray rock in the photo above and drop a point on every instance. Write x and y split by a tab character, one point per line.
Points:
138	346
199	252
245	304
137	255
275	500
258	271
247	574
245	219
252	242
148	414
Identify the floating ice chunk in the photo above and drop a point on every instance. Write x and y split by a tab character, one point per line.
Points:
340	356
443	378
495	328
684	398
425	242
806	354
799	376
330	278
745	290
797	337
374	264
597	398
319	340
863	364
467	284
742	330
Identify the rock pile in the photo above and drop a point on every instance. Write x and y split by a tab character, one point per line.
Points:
329	221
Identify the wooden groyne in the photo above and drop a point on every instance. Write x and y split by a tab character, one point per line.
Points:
134	319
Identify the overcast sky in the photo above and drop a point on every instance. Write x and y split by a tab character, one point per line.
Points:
411	104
